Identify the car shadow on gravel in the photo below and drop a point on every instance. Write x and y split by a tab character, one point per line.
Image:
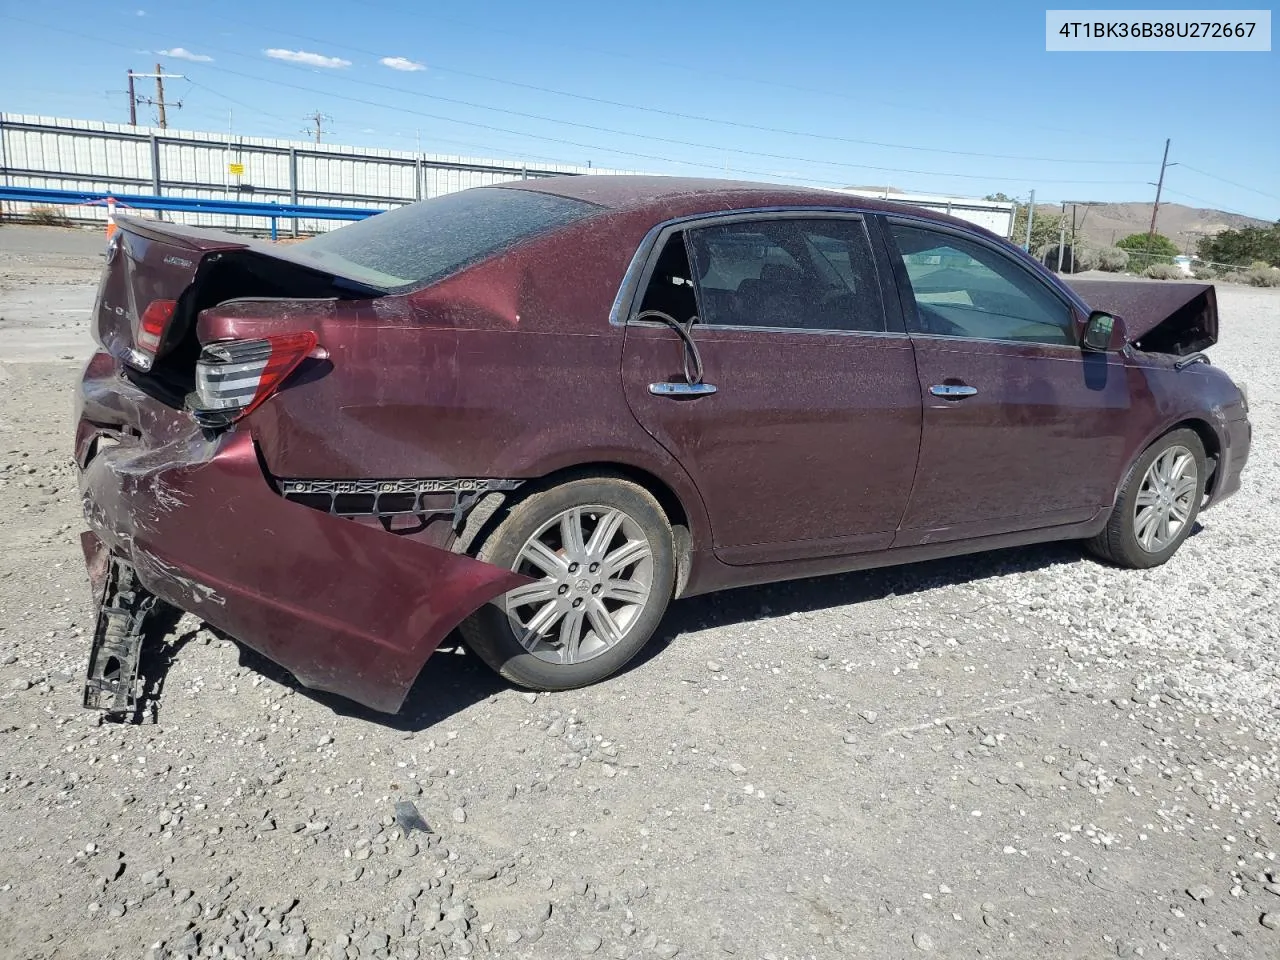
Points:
454	679
820	593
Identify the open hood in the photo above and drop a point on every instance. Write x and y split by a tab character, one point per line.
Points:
1161	316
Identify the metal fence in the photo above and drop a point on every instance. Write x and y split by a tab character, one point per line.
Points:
90	156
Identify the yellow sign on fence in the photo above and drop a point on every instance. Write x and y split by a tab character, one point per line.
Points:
236	169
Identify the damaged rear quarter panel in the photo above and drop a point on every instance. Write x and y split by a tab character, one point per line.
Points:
345	607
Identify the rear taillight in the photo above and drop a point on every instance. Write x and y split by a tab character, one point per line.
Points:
151	327
150	331
234	376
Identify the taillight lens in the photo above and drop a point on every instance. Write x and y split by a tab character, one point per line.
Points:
148	333
234	376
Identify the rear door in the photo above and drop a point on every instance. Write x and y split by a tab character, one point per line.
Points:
1021	428
807	446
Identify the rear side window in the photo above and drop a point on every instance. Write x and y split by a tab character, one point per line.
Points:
425	241
791	273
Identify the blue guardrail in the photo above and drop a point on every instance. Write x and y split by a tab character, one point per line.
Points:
239	208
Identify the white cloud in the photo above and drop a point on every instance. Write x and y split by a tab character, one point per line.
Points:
402	63
310	59
140	13
182	53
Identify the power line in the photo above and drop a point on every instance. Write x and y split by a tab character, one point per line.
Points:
831	138
609	150
700	71
596	147
632	153
1231	182
759	154
1211	204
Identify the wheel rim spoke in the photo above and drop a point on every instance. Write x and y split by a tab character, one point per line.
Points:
571	534
544	591
603	624
625	556
628	591
604	534
545	559
1144	525
539	624
571	634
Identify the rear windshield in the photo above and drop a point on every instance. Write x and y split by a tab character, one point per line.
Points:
414	245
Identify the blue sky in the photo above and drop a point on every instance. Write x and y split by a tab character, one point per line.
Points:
927	97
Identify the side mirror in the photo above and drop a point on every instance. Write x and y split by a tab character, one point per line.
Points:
1104	333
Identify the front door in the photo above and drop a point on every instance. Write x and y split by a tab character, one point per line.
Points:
808	445
1021	428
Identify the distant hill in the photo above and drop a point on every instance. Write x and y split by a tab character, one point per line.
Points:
1104	223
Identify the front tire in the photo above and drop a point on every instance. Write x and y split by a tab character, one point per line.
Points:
600	550
1158	504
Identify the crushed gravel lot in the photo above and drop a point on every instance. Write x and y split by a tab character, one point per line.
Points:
1021	754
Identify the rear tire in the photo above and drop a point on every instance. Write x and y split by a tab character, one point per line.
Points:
1158	503
599	595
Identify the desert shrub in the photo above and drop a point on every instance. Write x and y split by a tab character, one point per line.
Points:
1203	273
1262	277
1073	261
1113	259
1259	265
48	217
1163	271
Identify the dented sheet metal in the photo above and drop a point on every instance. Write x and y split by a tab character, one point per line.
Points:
207	534
1161	316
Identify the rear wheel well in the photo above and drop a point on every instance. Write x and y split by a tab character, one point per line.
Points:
493	509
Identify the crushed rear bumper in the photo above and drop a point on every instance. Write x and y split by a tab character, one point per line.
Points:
347	608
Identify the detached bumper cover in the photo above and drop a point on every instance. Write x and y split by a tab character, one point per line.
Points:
345	607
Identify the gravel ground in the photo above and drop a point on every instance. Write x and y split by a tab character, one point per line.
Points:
1022	754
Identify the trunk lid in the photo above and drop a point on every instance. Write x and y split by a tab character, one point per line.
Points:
159	277
1161	316
146	263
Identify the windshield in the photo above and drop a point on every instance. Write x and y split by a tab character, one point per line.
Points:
417	244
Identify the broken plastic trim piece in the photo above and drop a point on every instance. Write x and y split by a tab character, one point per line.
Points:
386	498
111	683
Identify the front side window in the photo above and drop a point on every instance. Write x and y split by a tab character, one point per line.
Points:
966	289
797	273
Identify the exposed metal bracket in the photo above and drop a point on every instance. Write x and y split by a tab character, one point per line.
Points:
389	498
112	684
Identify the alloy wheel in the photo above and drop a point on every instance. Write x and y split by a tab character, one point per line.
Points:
1165	499
594	573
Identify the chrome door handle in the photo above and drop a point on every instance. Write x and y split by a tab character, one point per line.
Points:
668	389
952	391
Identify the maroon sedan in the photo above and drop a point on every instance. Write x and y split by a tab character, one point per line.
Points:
536	412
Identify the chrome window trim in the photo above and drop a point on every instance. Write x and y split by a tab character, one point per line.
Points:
1074	349
642	261
745	328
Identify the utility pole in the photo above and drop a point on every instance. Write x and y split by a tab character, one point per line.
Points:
1155	207
317	119
1031	217
159	101
1062	234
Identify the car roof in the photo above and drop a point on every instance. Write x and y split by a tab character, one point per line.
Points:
689	196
